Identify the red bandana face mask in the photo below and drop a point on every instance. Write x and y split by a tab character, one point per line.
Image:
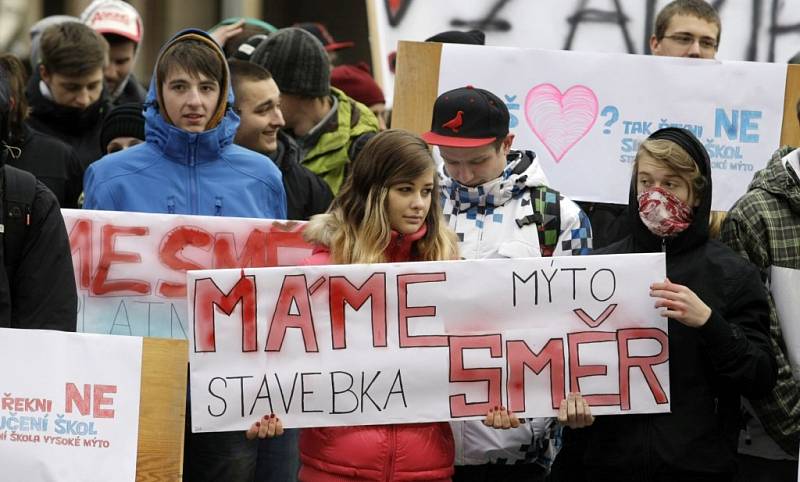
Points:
663	213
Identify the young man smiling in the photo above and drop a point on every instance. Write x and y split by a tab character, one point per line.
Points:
258	103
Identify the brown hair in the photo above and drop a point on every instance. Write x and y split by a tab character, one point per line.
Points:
242	70
72	49
17	79
675	158
695	8
390	157
195	57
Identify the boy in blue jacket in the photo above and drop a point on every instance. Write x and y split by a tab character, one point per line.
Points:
189	163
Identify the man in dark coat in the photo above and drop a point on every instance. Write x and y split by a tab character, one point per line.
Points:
66	92
258	105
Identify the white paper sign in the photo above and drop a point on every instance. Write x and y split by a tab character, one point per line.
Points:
584	114
130	267
70	406
785	288
419	342
757	30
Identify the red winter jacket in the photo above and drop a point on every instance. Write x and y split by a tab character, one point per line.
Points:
417	451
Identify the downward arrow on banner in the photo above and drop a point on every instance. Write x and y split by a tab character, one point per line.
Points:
592	322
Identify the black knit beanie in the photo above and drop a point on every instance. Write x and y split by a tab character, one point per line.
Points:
297	60
124	120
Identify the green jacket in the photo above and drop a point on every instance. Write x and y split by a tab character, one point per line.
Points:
764	227
330	155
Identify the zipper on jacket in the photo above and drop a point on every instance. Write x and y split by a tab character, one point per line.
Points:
663	245
218	206
388	471
193	169
170	204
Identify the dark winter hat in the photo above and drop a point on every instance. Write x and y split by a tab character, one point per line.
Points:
297	60
318	30
473	37
124	120
467	117
245	51
357	83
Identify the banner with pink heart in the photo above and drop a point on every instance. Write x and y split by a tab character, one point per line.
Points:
584	114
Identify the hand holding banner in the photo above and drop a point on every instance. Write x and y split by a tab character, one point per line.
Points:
419	342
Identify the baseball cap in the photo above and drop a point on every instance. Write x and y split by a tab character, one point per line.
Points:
246	49
321	32
114	17
467	117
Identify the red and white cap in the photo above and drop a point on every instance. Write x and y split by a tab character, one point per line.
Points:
114	17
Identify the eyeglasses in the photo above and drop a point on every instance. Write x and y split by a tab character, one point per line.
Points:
686	40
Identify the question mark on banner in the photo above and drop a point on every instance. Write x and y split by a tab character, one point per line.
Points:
609	109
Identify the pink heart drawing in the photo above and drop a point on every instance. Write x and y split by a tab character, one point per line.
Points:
560	120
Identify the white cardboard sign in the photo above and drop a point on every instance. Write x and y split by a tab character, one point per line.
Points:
758	30
130	268
419	342
70	408
584	114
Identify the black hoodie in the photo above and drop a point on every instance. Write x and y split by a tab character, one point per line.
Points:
40	292
53	162
710	367
80	128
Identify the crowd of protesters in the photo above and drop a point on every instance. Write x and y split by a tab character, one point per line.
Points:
250	120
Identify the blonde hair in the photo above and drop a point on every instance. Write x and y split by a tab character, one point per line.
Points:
675	158
363	231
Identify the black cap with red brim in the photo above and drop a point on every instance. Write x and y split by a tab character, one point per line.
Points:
467	117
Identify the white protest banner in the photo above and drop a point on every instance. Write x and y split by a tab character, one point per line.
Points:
418	342
70	405
784	285
130	267
584	114
764	30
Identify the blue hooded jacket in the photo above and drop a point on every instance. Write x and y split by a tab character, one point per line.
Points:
180	172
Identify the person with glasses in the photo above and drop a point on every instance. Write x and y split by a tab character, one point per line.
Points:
683	28
686	28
